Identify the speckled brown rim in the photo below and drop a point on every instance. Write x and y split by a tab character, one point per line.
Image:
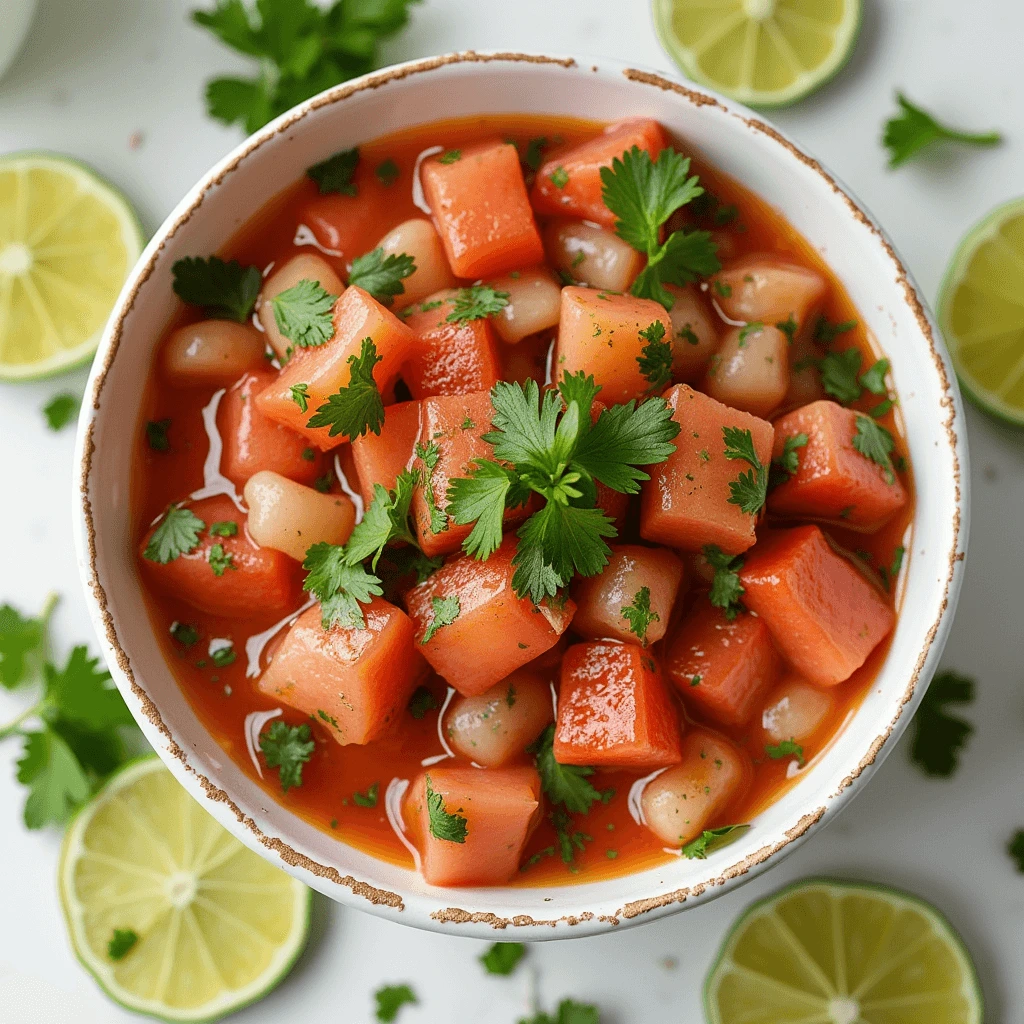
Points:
372	897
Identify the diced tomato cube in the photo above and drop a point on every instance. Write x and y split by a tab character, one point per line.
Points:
354	682
569	181
254	442
495	632
602	599
500	808
614	709
833	481
257	581
380	458
482	211
599	333
325	369
686	503
451	358
451	428
824	616
341	223
719	667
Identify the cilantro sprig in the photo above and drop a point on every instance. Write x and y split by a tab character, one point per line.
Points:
226	290
713	839
655	359
336	173
381	275
874	442
445	610
176	534
750	489
643	194
61	410
568	1012
639	615
726	589
287	748
303	313
788	463
358	407
448	827
939	737
476	303
913	129
546	445
503	957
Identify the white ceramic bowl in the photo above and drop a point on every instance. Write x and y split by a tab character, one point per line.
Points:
463	84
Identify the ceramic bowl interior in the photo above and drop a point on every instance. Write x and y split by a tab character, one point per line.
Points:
461	85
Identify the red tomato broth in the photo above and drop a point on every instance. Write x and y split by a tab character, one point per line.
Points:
222	697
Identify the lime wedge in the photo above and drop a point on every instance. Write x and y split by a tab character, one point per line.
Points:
171	914
67	242
767	53
828	952
981	312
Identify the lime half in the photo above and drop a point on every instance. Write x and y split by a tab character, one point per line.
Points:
981	312
172	915
767	53
67	242
829	952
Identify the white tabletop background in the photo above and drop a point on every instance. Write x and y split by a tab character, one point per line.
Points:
96	72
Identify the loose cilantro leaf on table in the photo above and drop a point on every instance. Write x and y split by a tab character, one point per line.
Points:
287	748
336	173
712	839
445	611
726	589
22	643
1015	848
476	303
176	534
569	1012
156	435
939	736
224	290
56	781
643	194
121	943
301	48
655	359
639	615
874	442
61	410
503	957
358	407
913	129
390	999
303	313
382	275
787	748
750	490
451	828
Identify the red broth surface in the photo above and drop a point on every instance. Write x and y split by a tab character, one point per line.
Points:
614	844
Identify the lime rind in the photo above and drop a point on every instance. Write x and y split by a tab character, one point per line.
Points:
844	42
835	889
102	971
985	230
132	237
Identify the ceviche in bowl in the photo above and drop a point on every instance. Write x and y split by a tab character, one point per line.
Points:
537	516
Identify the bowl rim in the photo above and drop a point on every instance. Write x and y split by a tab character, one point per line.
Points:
424	910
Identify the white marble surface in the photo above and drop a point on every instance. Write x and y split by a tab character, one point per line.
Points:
96	72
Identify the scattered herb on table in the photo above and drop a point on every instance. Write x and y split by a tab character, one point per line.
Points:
61	410
390	999
913	129
939	736
503	957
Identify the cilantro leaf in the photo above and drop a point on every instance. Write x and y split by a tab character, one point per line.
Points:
61	410
450	157
287	748
303	313
220	560
421	702
655	359
83	694
387	172
386	519
534	575
337	173
1015	848
359	407
939	737
712	839
534	156
570	840
685	256
503	957
382	275
176	534
476	303
300	395
788	463
639	615
563	783
445	611
789	327
787	748
839	372
21	643
451	828
912	129
186	635
749	490
569	1012
390	999
874	377
726	589
156	435
826	332
57	783
874	442
480	499
340	585
430	454
224	290
369	798
121	943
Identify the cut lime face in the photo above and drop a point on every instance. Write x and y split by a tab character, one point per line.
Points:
67	242
215	926
829	952
981	312
767	53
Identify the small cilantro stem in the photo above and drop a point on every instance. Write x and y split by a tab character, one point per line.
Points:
15	727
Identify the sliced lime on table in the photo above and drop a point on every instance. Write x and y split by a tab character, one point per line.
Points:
981	312
67	242
829	952
172	915
767	53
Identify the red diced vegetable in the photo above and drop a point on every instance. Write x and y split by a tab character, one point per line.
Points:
379	459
